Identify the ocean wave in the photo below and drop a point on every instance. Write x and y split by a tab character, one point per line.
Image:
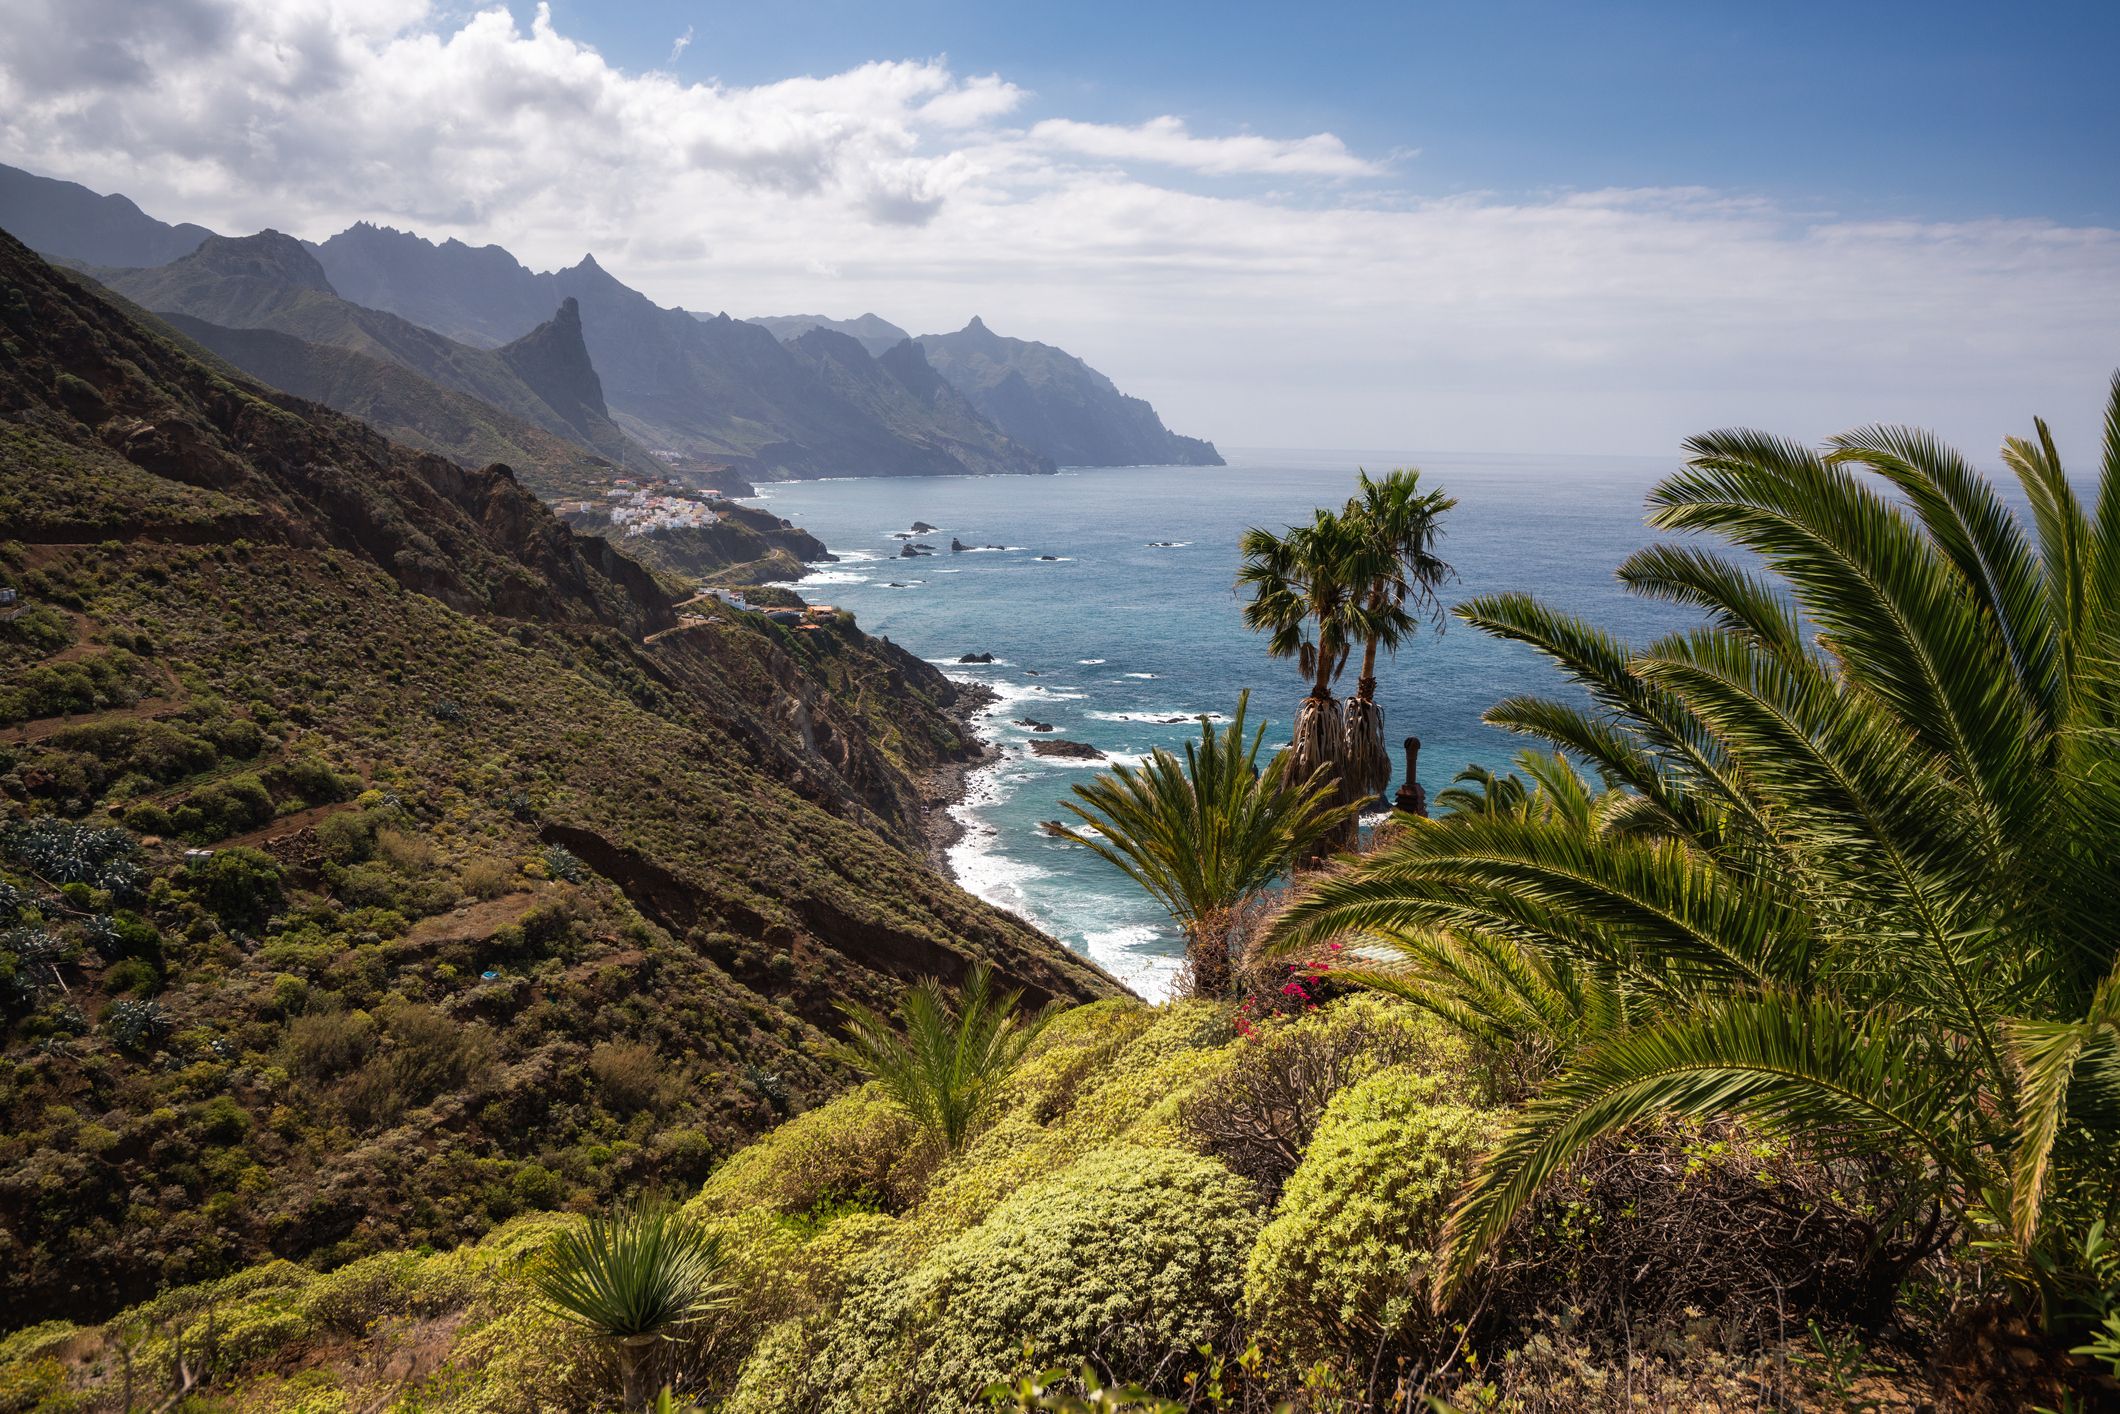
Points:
1157	718
1137	955
832	577
1089	662
1144	676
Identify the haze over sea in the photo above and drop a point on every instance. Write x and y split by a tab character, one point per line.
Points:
1117	636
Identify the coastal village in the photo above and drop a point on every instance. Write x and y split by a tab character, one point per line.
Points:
642	505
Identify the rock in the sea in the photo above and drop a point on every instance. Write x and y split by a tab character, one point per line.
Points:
1048	557
1034	725
1053	827
921	527
958	547
1068	750
977	658
908	552
1032	673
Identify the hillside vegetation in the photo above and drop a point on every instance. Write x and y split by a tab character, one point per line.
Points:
523	888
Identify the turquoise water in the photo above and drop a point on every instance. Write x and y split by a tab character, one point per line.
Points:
1114	635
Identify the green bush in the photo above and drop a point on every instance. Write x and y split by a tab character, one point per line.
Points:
1346	1258
1129	1257
241	886
859	1143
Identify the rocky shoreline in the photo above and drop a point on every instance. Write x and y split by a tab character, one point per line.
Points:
945	786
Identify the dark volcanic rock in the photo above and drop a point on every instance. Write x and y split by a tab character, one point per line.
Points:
977	658
921	527
1067	750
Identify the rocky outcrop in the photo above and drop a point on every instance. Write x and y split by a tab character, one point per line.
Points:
1067	750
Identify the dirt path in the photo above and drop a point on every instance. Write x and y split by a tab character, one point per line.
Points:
287	825
144	710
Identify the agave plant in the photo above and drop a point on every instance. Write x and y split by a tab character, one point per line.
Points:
1203	834
1859	889
643	1274
946	1060
1402	524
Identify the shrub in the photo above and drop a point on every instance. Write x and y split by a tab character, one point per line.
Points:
1258	1115
346	838
487	878
241	886
857	1143
629	1075
406	853
1346	1259
1129	1257
320	1046
561	864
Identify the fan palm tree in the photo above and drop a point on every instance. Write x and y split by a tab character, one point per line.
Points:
1863	895
946	1060
642	1275
1311	596
1204	834
1403	524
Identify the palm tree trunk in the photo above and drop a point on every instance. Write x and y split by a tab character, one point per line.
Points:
1207	955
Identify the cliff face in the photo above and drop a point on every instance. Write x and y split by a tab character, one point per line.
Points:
554	363
1048	399
512	860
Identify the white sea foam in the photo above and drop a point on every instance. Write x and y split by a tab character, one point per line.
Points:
1089	662
1082	763
1143	676
833	577
1134	953
1163	718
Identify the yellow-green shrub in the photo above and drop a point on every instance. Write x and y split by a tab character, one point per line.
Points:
859	1143
1129	1256
1346	1257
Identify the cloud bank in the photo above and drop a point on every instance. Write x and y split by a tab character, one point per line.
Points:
1280	290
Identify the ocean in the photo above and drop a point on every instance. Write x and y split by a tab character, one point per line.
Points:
1116	634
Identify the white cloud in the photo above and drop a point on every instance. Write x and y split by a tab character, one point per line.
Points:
680	45
1166	142
1340	310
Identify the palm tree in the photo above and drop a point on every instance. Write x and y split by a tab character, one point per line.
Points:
1858	888
1311	595
1403	524
1204	834
642	1275
945	1062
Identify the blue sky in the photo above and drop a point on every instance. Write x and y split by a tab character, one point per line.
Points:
1484	227
1945	110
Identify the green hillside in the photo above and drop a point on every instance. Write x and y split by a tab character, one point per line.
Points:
524	889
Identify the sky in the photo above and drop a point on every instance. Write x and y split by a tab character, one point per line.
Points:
1486	226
